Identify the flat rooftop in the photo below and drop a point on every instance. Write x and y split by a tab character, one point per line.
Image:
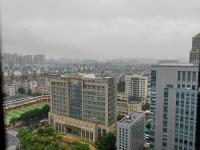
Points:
19	96
131	118
176	65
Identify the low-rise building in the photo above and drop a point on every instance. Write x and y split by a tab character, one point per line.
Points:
18	101
41	89
11	89
125	105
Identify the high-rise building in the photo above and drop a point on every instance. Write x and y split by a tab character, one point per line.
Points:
38	59
136	86
130	132
173	106
28	59
84	105
195	52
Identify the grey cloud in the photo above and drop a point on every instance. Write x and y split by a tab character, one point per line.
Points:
100	28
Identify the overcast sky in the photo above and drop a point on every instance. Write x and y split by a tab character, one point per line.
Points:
100	28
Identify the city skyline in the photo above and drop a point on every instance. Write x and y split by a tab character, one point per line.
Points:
91	30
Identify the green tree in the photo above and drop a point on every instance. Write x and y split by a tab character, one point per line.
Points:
119	117
148	125
46	109
25	136
36	146
107	142
50	147
46	130
79	146
36	94
14	120
121	86
35	113
21	90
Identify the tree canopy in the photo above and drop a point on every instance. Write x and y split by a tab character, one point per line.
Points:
119	117
79	146
121	86
107	142
45	140
27	116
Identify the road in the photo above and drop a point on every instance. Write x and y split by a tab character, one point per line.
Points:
11	139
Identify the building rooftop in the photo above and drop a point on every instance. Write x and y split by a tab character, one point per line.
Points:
93	76
175	65
131	118
198	35
19	96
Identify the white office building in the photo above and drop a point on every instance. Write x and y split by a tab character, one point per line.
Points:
130	132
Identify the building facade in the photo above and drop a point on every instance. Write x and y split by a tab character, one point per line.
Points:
125	106
173	106
40	89
130	132
83	105
195	52
136	86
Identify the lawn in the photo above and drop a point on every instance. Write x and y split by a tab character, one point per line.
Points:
16	113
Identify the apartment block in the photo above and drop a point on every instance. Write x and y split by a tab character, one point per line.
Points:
136	86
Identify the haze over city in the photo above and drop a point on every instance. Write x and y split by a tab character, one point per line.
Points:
100	29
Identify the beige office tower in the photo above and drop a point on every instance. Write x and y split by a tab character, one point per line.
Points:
136	86
83	105
195	52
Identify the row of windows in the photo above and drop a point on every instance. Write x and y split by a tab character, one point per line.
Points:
187	76
193	87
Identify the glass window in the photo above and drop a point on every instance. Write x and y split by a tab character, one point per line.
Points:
194	76
177	95
188	76
183	75
179	75
182	95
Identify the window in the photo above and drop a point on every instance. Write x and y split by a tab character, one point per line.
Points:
179	75
194	76
177	95
188	76
182	95
183	75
